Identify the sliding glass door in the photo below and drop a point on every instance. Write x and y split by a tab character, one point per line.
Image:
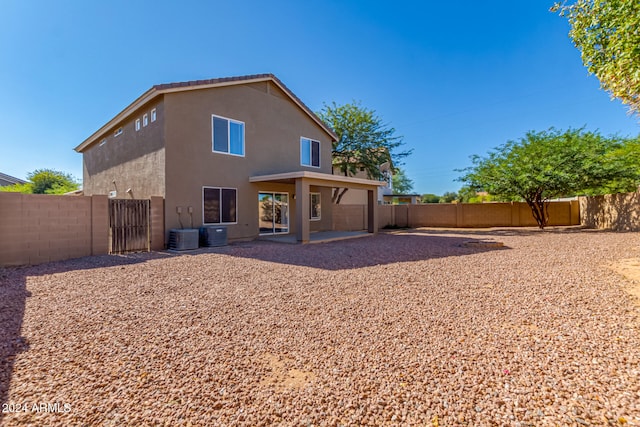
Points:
273	213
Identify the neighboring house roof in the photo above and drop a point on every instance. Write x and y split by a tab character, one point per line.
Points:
10	180
338	160
158	90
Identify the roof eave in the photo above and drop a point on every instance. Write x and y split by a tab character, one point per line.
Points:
155	91
143	99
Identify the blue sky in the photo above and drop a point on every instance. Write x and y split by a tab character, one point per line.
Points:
452	82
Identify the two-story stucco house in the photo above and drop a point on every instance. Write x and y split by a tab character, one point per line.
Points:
244	152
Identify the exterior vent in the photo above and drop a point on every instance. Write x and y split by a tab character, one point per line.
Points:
182	240
213	235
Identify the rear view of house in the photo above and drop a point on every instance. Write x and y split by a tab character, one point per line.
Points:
244	152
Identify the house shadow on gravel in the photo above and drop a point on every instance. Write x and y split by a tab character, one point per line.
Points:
385	248
13	299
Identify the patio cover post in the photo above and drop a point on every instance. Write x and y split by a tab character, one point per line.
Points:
303	225
372	211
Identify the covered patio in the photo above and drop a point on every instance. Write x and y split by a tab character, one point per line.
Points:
303	180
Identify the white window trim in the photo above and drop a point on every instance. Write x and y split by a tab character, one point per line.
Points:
145	120
319	217
228	136
117	132
311	153
153	115
219	188
137	125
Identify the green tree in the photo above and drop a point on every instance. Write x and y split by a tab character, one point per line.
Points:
448	197
469	195
401	183
45	181
550	164
430	198
466	194
606	32
364	142
26	188
49	181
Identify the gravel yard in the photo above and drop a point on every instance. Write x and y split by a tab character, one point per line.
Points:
409	328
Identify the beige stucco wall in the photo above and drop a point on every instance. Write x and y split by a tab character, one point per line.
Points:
359	197
38	228
134	160
273	127
355	197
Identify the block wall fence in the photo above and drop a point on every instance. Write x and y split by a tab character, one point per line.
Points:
619	212
38	228
456	215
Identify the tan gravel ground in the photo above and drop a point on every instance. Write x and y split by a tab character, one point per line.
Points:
414	328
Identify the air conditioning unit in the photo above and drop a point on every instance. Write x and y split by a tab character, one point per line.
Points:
213	235
183	240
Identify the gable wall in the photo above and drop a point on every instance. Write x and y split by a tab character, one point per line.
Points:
134	160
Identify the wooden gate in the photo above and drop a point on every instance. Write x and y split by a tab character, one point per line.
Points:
129	225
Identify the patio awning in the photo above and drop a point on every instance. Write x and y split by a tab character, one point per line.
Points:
303	180
322	179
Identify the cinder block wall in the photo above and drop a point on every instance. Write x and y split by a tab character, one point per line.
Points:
620	212
460	215
349	217
38	228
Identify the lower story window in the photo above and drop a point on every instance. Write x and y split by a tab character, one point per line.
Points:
314	206
219	205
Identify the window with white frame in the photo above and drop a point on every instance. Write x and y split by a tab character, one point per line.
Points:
227	135
314	206
309	152
153	115
118	132
137	124
219	205
145	120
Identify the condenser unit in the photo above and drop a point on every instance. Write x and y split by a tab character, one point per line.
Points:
183	239
213	235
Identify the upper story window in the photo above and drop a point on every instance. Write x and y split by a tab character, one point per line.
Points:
145	120
137	124
227	135
153	115
118	132
309	152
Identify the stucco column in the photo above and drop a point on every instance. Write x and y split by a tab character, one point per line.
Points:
372	211
574	210
515	214
99	225
303	225
157	223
